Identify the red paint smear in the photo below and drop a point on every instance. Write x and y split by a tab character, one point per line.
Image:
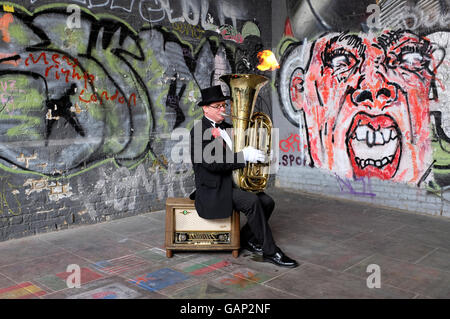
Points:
376	122
288	28
103	294
7	55
5	20
24	286
210	268
414	162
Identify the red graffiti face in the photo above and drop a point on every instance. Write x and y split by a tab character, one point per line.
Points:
366	102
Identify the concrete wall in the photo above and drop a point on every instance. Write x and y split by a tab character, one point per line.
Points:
91	94
362	101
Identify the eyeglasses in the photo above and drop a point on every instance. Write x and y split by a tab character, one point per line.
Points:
218	106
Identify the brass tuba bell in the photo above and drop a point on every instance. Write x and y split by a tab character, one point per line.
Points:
250	129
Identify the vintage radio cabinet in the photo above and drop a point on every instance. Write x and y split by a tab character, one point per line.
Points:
186	230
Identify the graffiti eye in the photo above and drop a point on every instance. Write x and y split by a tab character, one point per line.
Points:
341	63
411	58
413	61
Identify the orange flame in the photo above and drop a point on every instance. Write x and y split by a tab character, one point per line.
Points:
267	61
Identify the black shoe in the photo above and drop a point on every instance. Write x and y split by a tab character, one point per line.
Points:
280	259
253	247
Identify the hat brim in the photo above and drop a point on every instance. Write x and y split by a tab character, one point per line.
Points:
203	103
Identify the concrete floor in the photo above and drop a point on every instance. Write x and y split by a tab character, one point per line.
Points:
334	241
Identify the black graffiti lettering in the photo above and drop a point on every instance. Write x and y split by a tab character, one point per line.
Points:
118	70
285	160
61	108
173	101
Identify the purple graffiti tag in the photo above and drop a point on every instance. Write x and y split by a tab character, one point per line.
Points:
347	188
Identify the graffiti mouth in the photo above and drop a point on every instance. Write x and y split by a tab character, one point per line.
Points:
374	145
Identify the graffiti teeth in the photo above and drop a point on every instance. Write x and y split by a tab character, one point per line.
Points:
378	163
374	147
378	138
372	137
375	151
361	133
386	132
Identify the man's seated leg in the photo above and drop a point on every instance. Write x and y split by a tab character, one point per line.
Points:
267	203
249	241
249	204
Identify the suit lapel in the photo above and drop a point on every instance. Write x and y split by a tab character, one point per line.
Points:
206	123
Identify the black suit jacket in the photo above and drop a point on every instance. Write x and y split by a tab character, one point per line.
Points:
213	163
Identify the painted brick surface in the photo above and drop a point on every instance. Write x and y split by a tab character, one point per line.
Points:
91	95
388	195
333	113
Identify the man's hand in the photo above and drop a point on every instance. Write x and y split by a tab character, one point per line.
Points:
253	155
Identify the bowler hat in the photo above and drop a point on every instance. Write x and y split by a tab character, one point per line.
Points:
211	95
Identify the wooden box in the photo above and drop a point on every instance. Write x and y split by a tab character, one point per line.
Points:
186	230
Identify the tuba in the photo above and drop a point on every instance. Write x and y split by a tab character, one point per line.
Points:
250	129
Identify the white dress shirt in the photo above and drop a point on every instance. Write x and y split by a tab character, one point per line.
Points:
223	134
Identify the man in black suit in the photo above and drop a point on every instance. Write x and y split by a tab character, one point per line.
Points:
216	196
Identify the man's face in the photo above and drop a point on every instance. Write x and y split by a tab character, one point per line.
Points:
366	102
215	111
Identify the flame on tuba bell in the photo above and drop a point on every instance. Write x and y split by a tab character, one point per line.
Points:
250	129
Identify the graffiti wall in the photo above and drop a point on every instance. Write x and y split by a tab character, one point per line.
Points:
91	92
364	86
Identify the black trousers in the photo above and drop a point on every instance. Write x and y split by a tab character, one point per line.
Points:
257	208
